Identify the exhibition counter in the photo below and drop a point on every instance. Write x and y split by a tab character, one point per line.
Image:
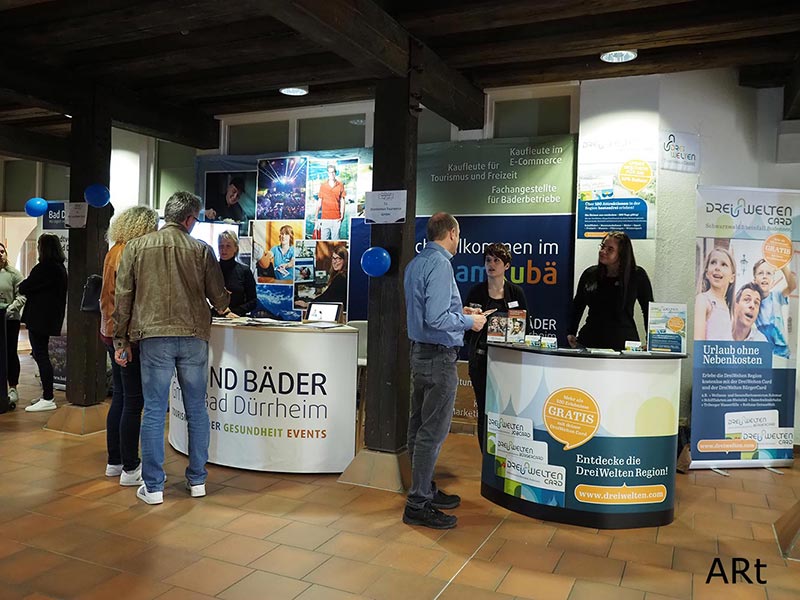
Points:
280	398
582	438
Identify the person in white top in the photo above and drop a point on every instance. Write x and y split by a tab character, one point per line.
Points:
745	313
714	303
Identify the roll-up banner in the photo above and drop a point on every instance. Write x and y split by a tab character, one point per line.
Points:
745	333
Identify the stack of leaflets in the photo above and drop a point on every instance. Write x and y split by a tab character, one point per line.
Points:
506	327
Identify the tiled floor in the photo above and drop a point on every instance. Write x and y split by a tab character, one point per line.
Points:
66	531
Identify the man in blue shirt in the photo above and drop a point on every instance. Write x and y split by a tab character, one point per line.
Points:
436	323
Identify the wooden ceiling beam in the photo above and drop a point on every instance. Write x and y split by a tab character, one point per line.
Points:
649	63
791	94
61	91
363	34
659	34
468	17
764	75
30	145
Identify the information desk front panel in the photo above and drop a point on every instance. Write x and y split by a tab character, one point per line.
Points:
279	399
583	439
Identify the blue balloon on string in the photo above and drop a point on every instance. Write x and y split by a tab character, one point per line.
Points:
97	195
36	207
375	261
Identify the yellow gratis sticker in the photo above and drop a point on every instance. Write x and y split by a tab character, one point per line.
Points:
777	250
635	175
571	416
675	324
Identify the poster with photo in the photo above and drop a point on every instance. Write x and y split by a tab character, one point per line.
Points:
273	252
328	263
332	198
230	197
281	188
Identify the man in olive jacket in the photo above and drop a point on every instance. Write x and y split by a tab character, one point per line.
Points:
163	281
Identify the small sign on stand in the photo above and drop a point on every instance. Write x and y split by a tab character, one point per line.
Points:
387	206
76	215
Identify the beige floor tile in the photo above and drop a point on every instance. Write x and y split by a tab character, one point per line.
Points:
658	580
692	561
774	593
578	541
255	525
653	596
277	506
458	591
647	553
717	589
536	585
238	549
742	497
590	567
110	550
28	527
159	562
750	549
127	586
405	557
344	574
482	574
67	538
183	594
683	537
290	561
459	542
254	482
756	515
291	489
9	547
593	590
534	533
416	536
353	546
28	564
208	514
315	513
781	503
231	496
372	523
141	526
320	592
302	535
208	576
397	585
528	556
335	496
72	578
451	564
188	537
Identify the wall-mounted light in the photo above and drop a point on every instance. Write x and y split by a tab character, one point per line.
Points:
618	56
298	90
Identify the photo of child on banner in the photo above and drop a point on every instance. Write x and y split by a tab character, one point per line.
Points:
332	185
281	188
327	264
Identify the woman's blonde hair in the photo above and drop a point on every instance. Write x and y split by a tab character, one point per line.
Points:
231	236
287	229
132	223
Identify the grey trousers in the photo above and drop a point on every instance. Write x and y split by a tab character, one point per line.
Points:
434	381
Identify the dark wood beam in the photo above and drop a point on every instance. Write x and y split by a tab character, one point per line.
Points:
791	94
657	34
23	143
466	17
702	57
62	91
363	34
764	76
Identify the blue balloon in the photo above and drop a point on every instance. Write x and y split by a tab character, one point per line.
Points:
36	207
97	195
375	261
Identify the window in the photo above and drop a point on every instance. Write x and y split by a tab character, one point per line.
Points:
531	117
331	133
259	138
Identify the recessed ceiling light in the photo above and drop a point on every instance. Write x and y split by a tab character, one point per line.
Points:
68	116
618	56
299	90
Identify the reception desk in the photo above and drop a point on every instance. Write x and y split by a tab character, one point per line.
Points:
580	438
279	398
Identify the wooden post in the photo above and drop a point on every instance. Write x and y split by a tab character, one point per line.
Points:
384	464
86	355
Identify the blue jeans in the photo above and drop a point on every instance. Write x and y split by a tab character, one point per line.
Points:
161	357
124	416
434	381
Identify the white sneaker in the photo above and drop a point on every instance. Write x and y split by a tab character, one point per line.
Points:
41	405
113	470
131	477
13	396
149	497
197	491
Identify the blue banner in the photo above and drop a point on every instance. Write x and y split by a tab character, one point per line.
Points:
597	217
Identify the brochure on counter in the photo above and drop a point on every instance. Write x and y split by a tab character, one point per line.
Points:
666	327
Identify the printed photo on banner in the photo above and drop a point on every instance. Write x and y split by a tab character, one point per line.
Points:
281	188
743	292
230	196
332	198
327	264
275	302
273	250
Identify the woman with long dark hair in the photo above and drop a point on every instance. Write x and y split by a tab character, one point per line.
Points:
45	291
336	290
610	289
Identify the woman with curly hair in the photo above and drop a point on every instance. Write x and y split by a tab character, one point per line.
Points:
125	415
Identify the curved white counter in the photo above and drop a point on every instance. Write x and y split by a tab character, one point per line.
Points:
279	398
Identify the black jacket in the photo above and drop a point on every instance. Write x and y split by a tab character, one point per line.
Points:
239	281
479	294
335	292
46	293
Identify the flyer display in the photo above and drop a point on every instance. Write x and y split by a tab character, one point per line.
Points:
743	391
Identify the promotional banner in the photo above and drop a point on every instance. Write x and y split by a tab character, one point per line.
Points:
278	400
54	221
743	392
586	434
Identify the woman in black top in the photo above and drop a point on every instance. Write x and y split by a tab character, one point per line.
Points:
239	280
610	289
46	293
336	290
494	293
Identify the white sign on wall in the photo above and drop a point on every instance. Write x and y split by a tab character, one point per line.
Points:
680	151
279	400
385	207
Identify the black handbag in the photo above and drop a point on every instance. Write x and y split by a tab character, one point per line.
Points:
90	301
